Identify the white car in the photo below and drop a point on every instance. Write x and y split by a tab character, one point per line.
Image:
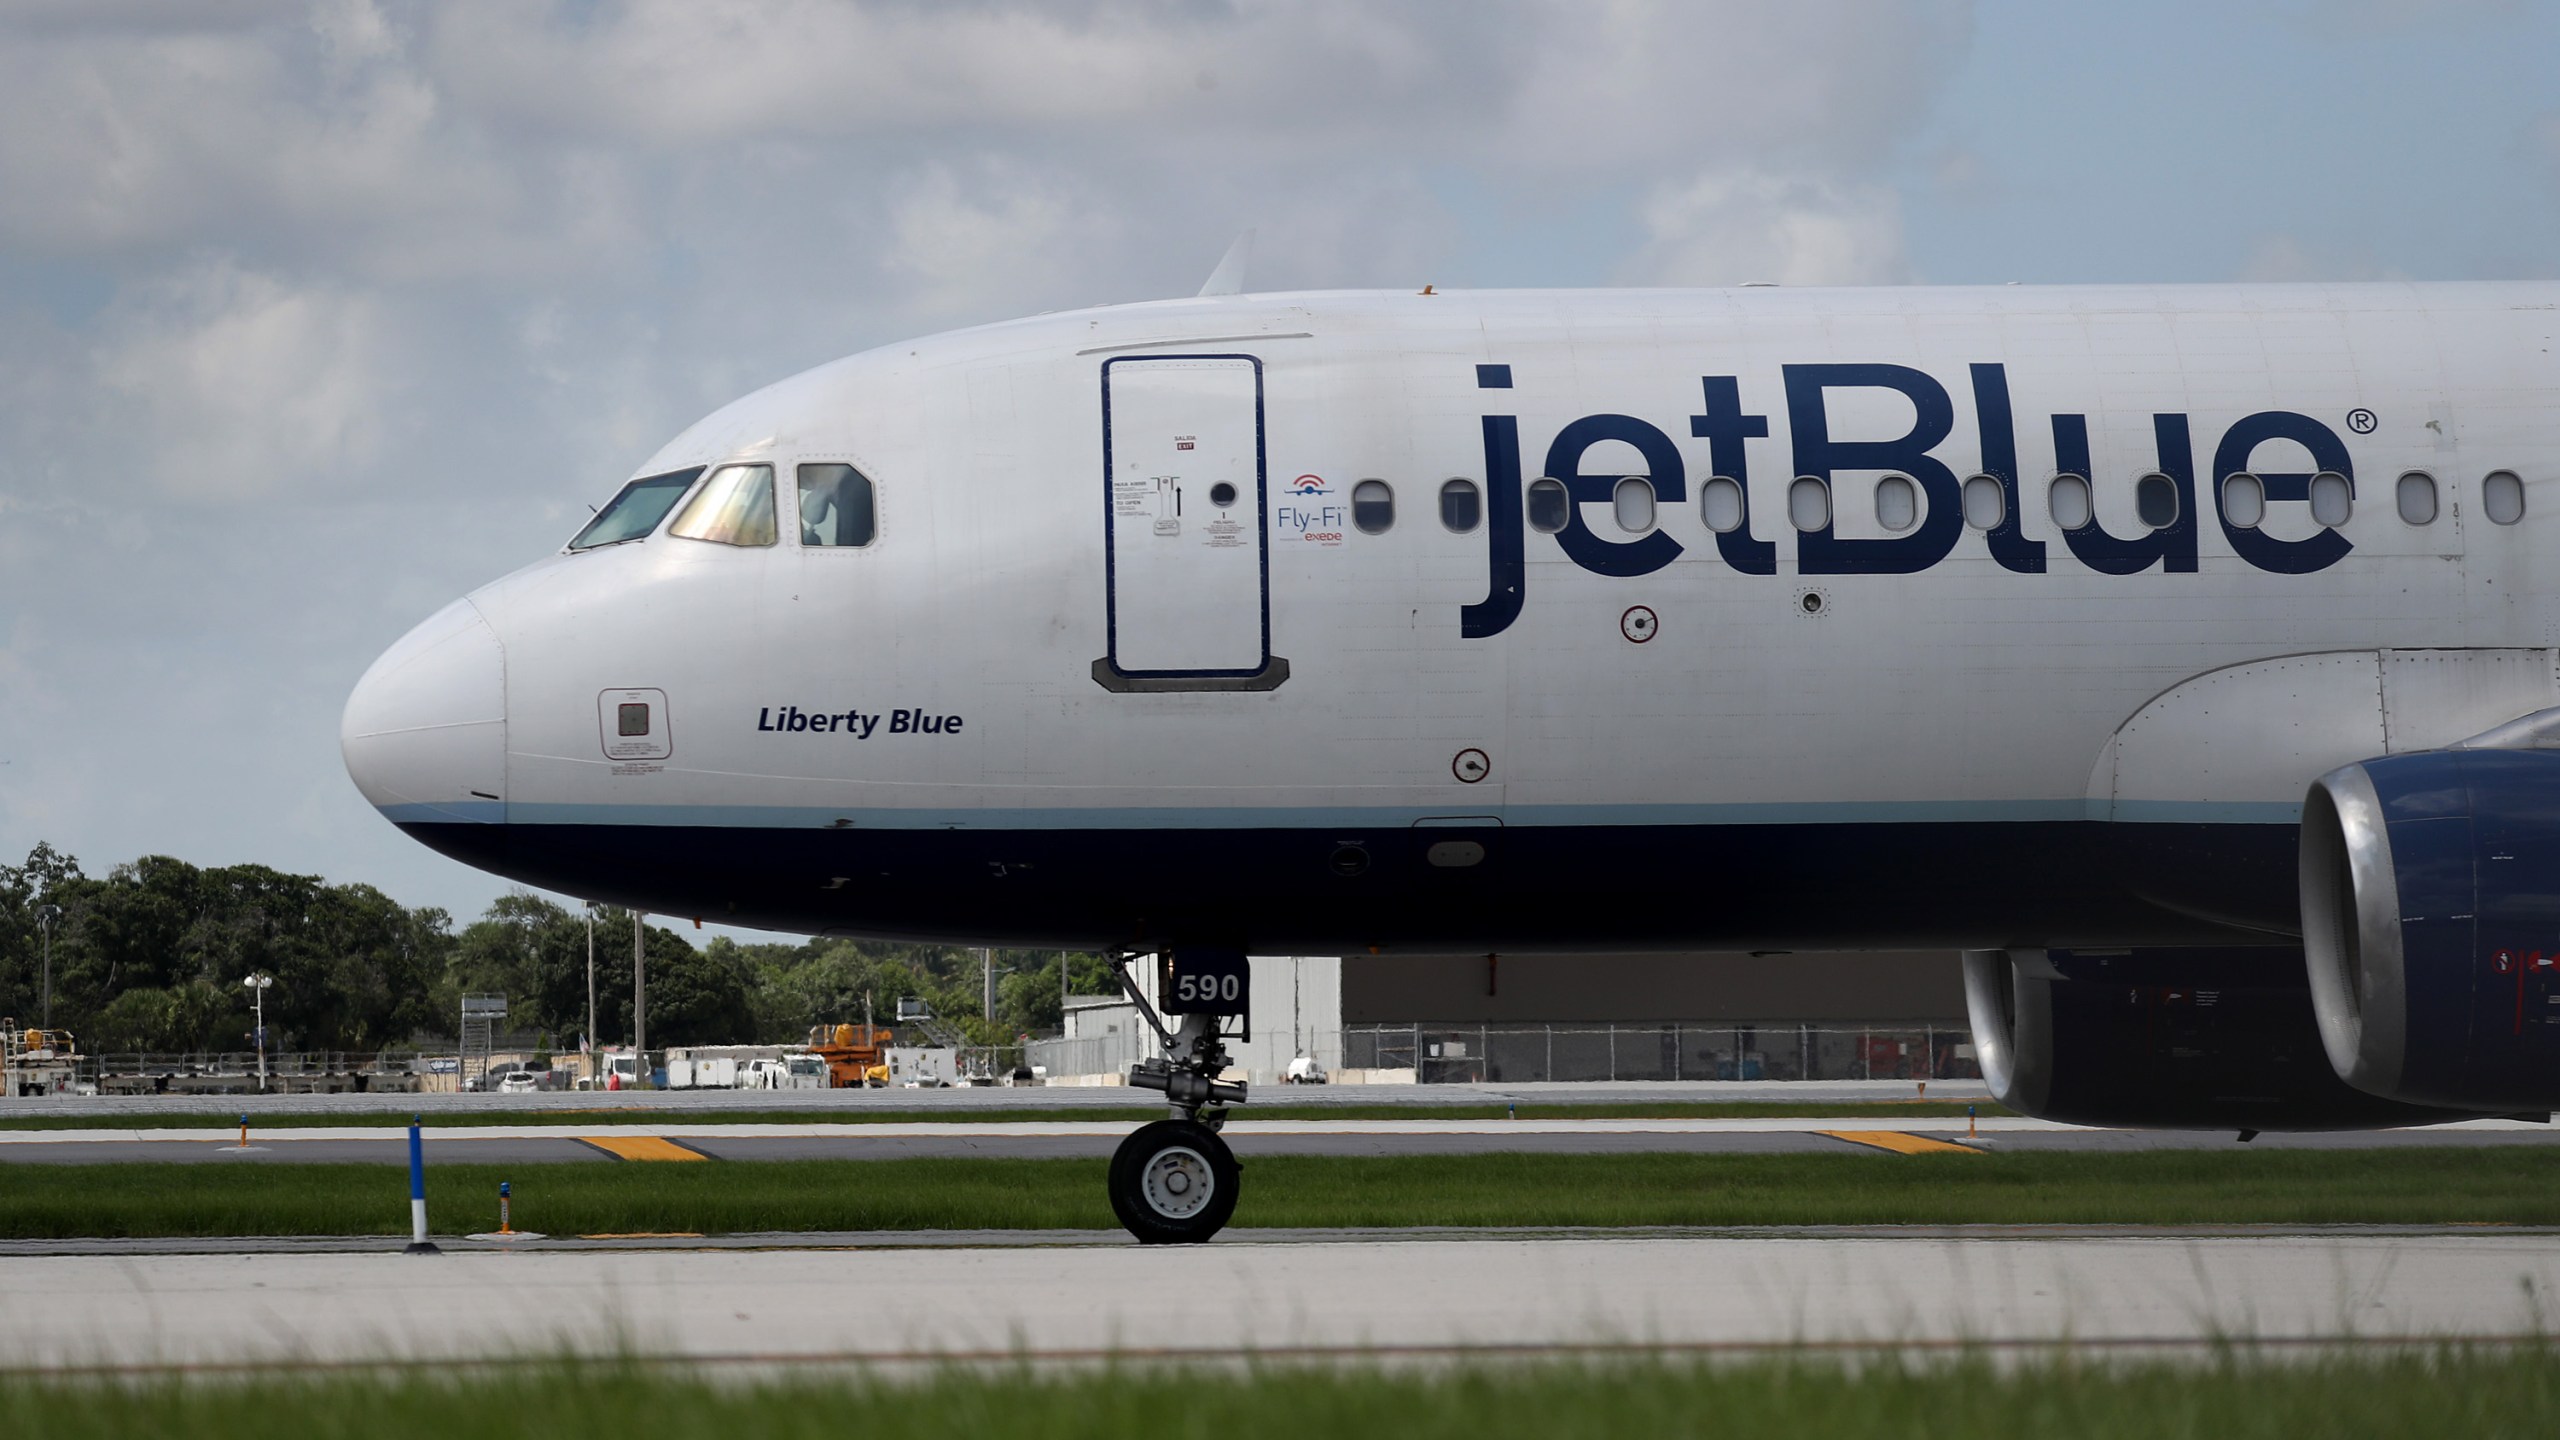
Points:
1303	1071
519	1082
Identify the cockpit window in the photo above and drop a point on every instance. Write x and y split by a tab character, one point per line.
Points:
835	506
637	510
733	507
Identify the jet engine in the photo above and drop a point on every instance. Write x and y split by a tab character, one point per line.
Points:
2197	1039
2431	924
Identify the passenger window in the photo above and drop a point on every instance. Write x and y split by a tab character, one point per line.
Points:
2244	500
733	507
1809	504
1461	507
1633	501
836	506
2331	500
2155	501
2070	503
1720	504
1985	504
2416	495
1897	504
1373	507
636	510
1549	508
2502	497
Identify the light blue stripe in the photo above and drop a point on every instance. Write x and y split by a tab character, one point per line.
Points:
1845	812
2208	812
460	812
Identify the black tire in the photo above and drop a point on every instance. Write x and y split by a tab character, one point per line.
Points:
1158	1174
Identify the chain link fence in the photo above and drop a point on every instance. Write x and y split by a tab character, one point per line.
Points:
1090	1054
1699	1050
1462	1054
1436	1053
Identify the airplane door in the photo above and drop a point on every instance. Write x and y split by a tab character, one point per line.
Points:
1185	513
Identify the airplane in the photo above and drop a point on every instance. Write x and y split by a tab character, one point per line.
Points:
2185	655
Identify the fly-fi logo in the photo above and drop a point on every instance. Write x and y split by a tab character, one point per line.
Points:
1305	515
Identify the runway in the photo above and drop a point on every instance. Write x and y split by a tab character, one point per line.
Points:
563	1140
1373	1297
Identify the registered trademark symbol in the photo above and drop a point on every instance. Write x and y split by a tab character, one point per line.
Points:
2361	420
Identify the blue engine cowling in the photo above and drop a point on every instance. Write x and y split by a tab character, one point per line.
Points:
2200	1039
2431	926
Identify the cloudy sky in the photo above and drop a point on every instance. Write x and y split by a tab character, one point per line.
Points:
315	315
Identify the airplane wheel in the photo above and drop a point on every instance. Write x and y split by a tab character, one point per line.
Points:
1174	1182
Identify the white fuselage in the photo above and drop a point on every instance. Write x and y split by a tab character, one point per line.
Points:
1270	668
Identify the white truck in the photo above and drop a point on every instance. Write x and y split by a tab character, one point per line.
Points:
715	1067
923	1067
796	1070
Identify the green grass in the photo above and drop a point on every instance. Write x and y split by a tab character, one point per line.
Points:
659	1115
2503	1185
2472	1394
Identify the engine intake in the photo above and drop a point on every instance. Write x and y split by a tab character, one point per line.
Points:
2198	1039
2431	926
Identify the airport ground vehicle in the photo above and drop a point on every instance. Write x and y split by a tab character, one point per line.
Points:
854	1055
716	1067
922	1067
2184	653
36	1061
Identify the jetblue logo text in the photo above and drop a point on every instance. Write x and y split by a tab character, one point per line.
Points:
1726	422
856	724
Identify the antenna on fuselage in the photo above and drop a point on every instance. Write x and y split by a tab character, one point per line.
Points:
1228	278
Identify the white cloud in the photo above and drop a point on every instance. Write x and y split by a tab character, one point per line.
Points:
1734	228
955	243
318	140
233	385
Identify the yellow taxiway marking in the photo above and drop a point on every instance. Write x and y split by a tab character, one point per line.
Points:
642	1147
1898	1142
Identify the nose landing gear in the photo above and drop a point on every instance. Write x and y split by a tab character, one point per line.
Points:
1173	1181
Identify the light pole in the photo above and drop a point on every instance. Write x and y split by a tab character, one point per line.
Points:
639	1000
594	1041
257	986
45	916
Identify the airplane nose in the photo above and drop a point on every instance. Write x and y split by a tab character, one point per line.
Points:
425	733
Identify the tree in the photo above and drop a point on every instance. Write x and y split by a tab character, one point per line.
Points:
155	953
150	958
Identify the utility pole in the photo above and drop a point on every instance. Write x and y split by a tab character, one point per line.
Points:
1297	1047
45	916
987	967
639	999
